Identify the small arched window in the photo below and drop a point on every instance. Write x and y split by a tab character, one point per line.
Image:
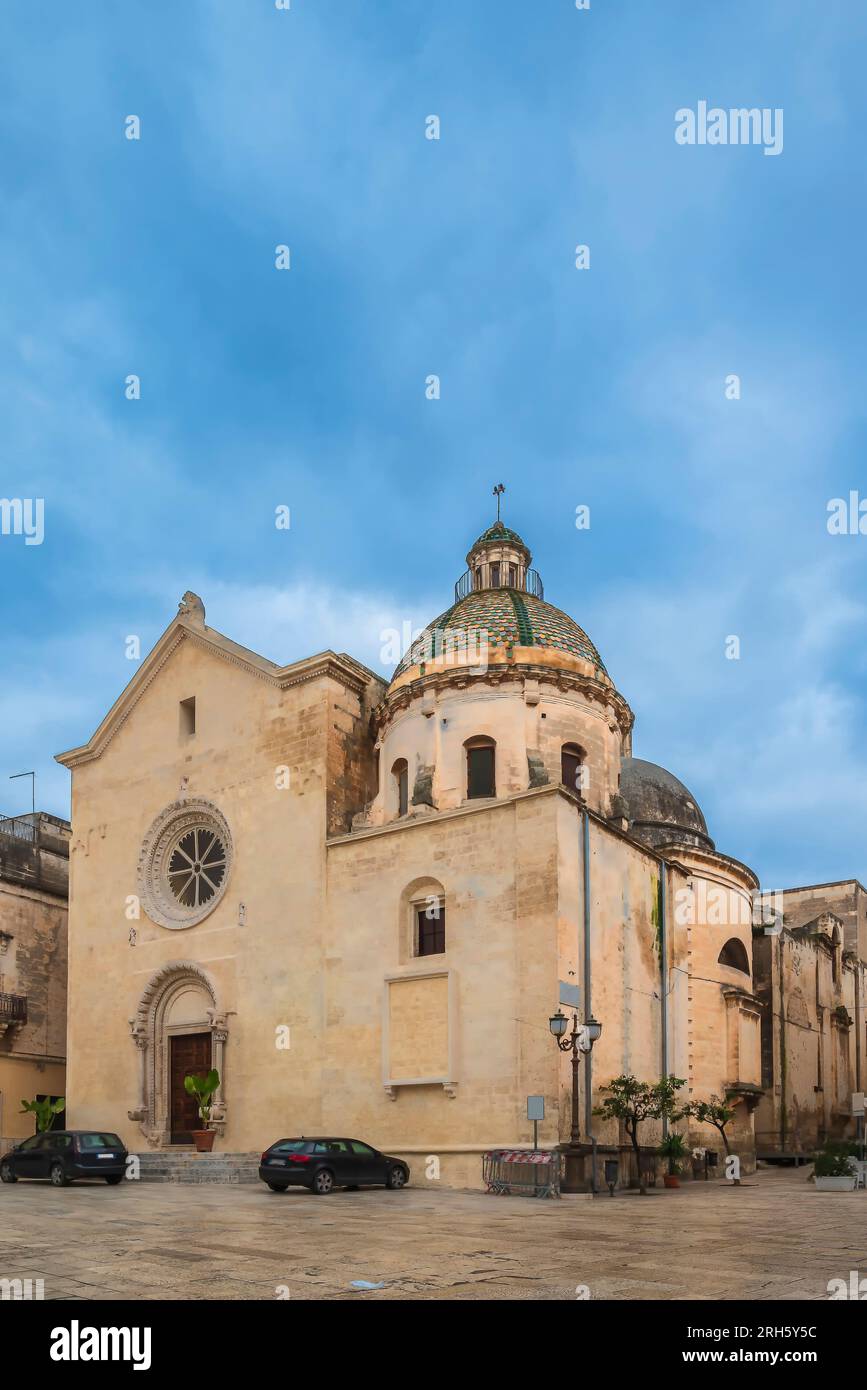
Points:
422	915
400	774
480	767
572	767
734	955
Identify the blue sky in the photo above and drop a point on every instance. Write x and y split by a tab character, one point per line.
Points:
456	257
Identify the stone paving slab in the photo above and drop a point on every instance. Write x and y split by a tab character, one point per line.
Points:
775	1237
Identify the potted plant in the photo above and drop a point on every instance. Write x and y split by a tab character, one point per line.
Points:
203	1088
834	1170
44	1111
673	1147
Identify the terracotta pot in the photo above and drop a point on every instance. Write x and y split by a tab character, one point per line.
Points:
671	1180
204	1140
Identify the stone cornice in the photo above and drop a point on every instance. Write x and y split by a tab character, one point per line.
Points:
733	994
684	855
474	808
497	674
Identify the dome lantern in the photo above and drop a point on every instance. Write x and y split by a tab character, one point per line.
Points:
499	559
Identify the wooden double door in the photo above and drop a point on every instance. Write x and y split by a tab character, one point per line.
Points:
189	1055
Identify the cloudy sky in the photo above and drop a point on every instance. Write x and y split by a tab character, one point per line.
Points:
411	257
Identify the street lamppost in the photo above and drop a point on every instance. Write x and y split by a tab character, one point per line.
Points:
579	1042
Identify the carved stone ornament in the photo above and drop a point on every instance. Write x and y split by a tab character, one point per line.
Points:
151	1036
185	863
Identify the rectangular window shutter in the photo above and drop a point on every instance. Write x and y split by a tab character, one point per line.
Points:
480	770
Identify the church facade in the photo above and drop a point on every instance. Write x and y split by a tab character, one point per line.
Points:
362	901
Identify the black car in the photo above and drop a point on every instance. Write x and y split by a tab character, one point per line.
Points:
323	1164
62	1155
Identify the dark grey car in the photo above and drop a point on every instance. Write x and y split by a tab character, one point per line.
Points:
321	1164
62	1155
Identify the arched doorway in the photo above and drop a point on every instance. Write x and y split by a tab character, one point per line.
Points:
177	1030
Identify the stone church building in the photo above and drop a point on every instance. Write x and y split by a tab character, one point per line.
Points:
362	901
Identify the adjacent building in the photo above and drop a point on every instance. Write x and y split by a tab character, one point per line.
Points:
810	977
34	874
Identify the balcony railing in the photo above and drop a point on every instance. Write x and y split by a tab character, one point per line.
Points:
21	828
532	584
13	1009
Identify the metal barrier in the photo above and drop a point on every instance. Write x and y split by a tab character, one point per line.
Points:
19	827
522	1172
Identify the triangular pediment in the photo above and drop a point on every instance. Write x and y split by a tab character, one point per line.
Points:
189	626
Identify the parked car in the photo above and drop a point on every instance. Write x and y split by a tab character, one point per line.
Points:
323	1164
61	1155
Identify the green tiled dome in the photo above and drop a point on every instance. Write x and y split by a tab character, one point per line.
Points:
511	618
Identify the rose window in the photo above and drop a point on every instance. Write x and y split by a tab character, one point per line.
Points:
197	867
185	863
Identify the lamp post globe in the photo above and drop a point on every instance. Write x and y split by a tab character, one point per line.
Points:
558	1023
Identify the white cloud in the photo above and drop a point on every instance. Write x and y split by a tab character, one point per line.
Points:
286	624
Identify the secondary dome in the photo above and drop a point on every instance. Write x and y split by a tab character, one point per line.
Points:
660	809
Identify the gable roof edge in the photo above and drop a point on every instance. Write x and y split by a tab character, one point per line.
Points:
344	669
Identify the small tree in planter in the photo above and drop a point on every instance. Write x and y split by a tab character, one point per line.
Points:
834	1169
633	1102
714	1112
673	1147
44	1111
203	1088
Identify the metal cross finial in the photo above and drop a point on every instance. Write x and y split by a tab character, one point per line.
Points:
498	492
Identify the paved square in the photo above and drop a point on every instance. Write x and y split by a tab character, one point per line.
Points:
774	1237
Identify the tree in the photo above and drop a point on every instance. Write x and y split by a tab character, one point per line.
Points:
633	1102
714	1112
44	1110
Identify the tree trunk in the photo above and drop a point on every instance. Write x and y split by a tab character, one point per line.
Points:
633	1135
725	1139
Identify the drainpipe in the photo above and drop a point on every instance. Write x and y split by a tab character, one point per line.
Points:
783	1059
588	1006
859	1123
663	973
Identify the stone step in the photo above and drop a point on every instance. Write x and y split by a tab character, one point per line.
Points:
190	1167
